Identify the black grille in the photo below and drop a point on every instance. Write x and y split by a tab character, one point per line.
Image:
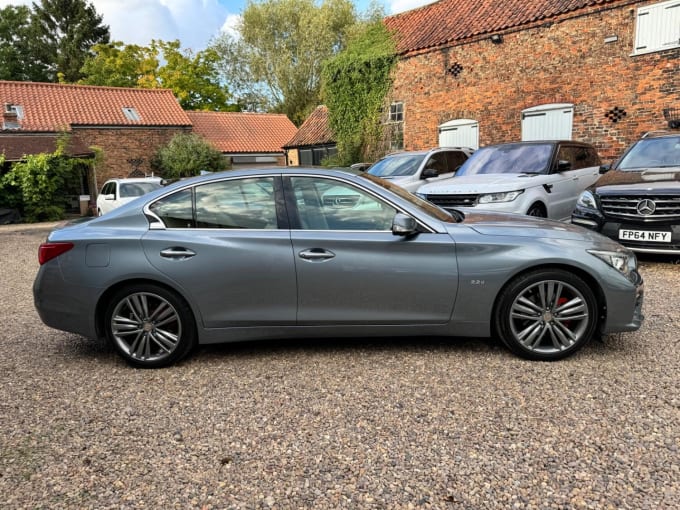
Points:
666	207
447	201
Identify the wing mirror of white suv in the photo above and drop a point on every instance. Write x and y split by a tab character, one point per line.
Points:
563	165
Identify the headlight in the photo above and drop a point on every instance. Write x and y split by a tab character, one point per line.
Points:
421	195
623	261
492	198
587	201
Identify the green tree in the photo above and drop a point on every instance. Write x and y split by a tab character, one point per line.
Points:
17	51
194	78
187	154
275	63
64	32
355	86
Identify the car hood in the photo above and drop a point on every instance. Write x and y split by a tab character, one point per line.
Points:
648	179
518	225
483	183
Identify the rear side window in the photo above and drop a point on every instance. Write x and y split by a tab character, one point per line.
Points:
238	203
175	210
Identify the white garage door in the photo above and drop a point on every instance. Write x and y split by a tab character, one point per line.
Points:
459	133
547	122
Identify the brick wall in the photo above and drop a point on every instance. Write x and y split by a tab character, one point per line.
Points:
566	61
125	149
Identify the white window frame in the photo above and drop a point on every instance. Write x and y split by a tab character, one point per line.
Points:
657	27
397	111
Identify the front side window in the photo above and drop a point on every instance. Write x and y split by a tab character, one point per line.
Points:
327	204
579	157
509	159
438	163
237	203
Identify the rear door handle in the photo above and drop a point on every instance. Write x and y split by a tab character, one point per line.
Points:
177	253
316	254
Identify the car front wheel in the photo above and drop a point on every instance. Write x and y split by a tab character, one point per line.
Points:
150	326
546	314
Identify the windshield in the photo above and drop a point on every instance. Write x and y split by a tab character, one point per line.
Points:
137	189
508	159
397	166
424	205
652	153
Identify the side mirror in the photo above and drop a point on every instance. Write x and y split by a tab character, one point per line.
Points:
563	165
404	225
605	168
110	197
428	173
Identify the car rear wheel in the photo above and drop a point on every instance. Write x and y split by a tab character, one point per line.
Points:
546	314
150	326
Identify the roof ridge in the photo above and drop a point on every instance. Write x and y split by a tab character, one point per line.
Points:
82	86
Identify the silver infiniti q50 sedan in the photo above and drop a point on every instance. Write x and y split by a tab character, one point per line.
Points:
326	253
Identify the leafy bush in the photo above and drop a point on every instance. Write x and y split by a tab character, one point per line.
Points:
37	186
186	155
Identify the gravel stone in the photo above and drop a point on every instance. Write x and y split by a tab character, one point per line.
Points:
357	424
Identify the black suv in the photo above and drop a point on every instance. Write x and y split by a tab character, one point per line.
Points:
637	202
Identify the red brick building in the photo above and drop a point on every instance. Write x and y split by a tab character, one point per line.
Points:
313	142
247	139
476	72
129	125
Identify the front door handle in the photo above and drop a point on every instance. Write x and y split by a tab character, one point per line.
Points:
177	253
316	254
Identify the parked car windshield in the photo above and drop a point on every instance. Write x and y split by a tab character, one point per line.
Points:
652	153
508	159
397	166
137	189
424	205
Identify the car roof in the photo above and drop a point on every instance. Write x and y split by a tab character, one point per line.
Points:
425	151
539	142
135	179
660	134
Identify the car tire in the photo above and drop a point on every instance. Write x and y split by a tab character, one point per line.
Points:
99	212
537	210
546	314
149	325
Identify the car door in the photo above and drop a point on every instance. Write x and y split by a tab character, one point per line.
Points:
351	269
565	186
226	249
103	204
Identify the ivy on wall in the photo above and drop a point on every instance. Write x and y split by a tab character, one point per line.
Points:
355	84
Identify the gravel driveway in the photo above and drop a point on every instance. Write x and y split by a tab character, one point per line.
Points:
458	424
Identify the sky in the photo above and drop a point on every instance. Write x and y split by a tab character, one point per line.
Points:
193	22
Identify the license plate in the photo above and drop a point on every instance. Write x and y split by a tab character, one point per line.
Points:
644	235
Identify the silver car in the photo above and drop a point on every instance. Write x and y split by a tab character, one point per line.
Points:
262	254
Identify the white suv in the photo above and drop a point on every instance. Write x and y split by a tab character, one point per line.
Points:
541	178
410	169
117	192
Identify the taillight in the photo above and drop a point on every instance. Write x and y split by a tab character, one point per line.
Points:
48	251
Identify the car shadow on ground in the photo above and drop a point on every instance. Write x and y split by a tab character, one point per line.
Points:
74	348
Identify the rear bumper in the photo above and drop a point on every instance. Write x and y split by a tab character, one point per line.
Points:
62	305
